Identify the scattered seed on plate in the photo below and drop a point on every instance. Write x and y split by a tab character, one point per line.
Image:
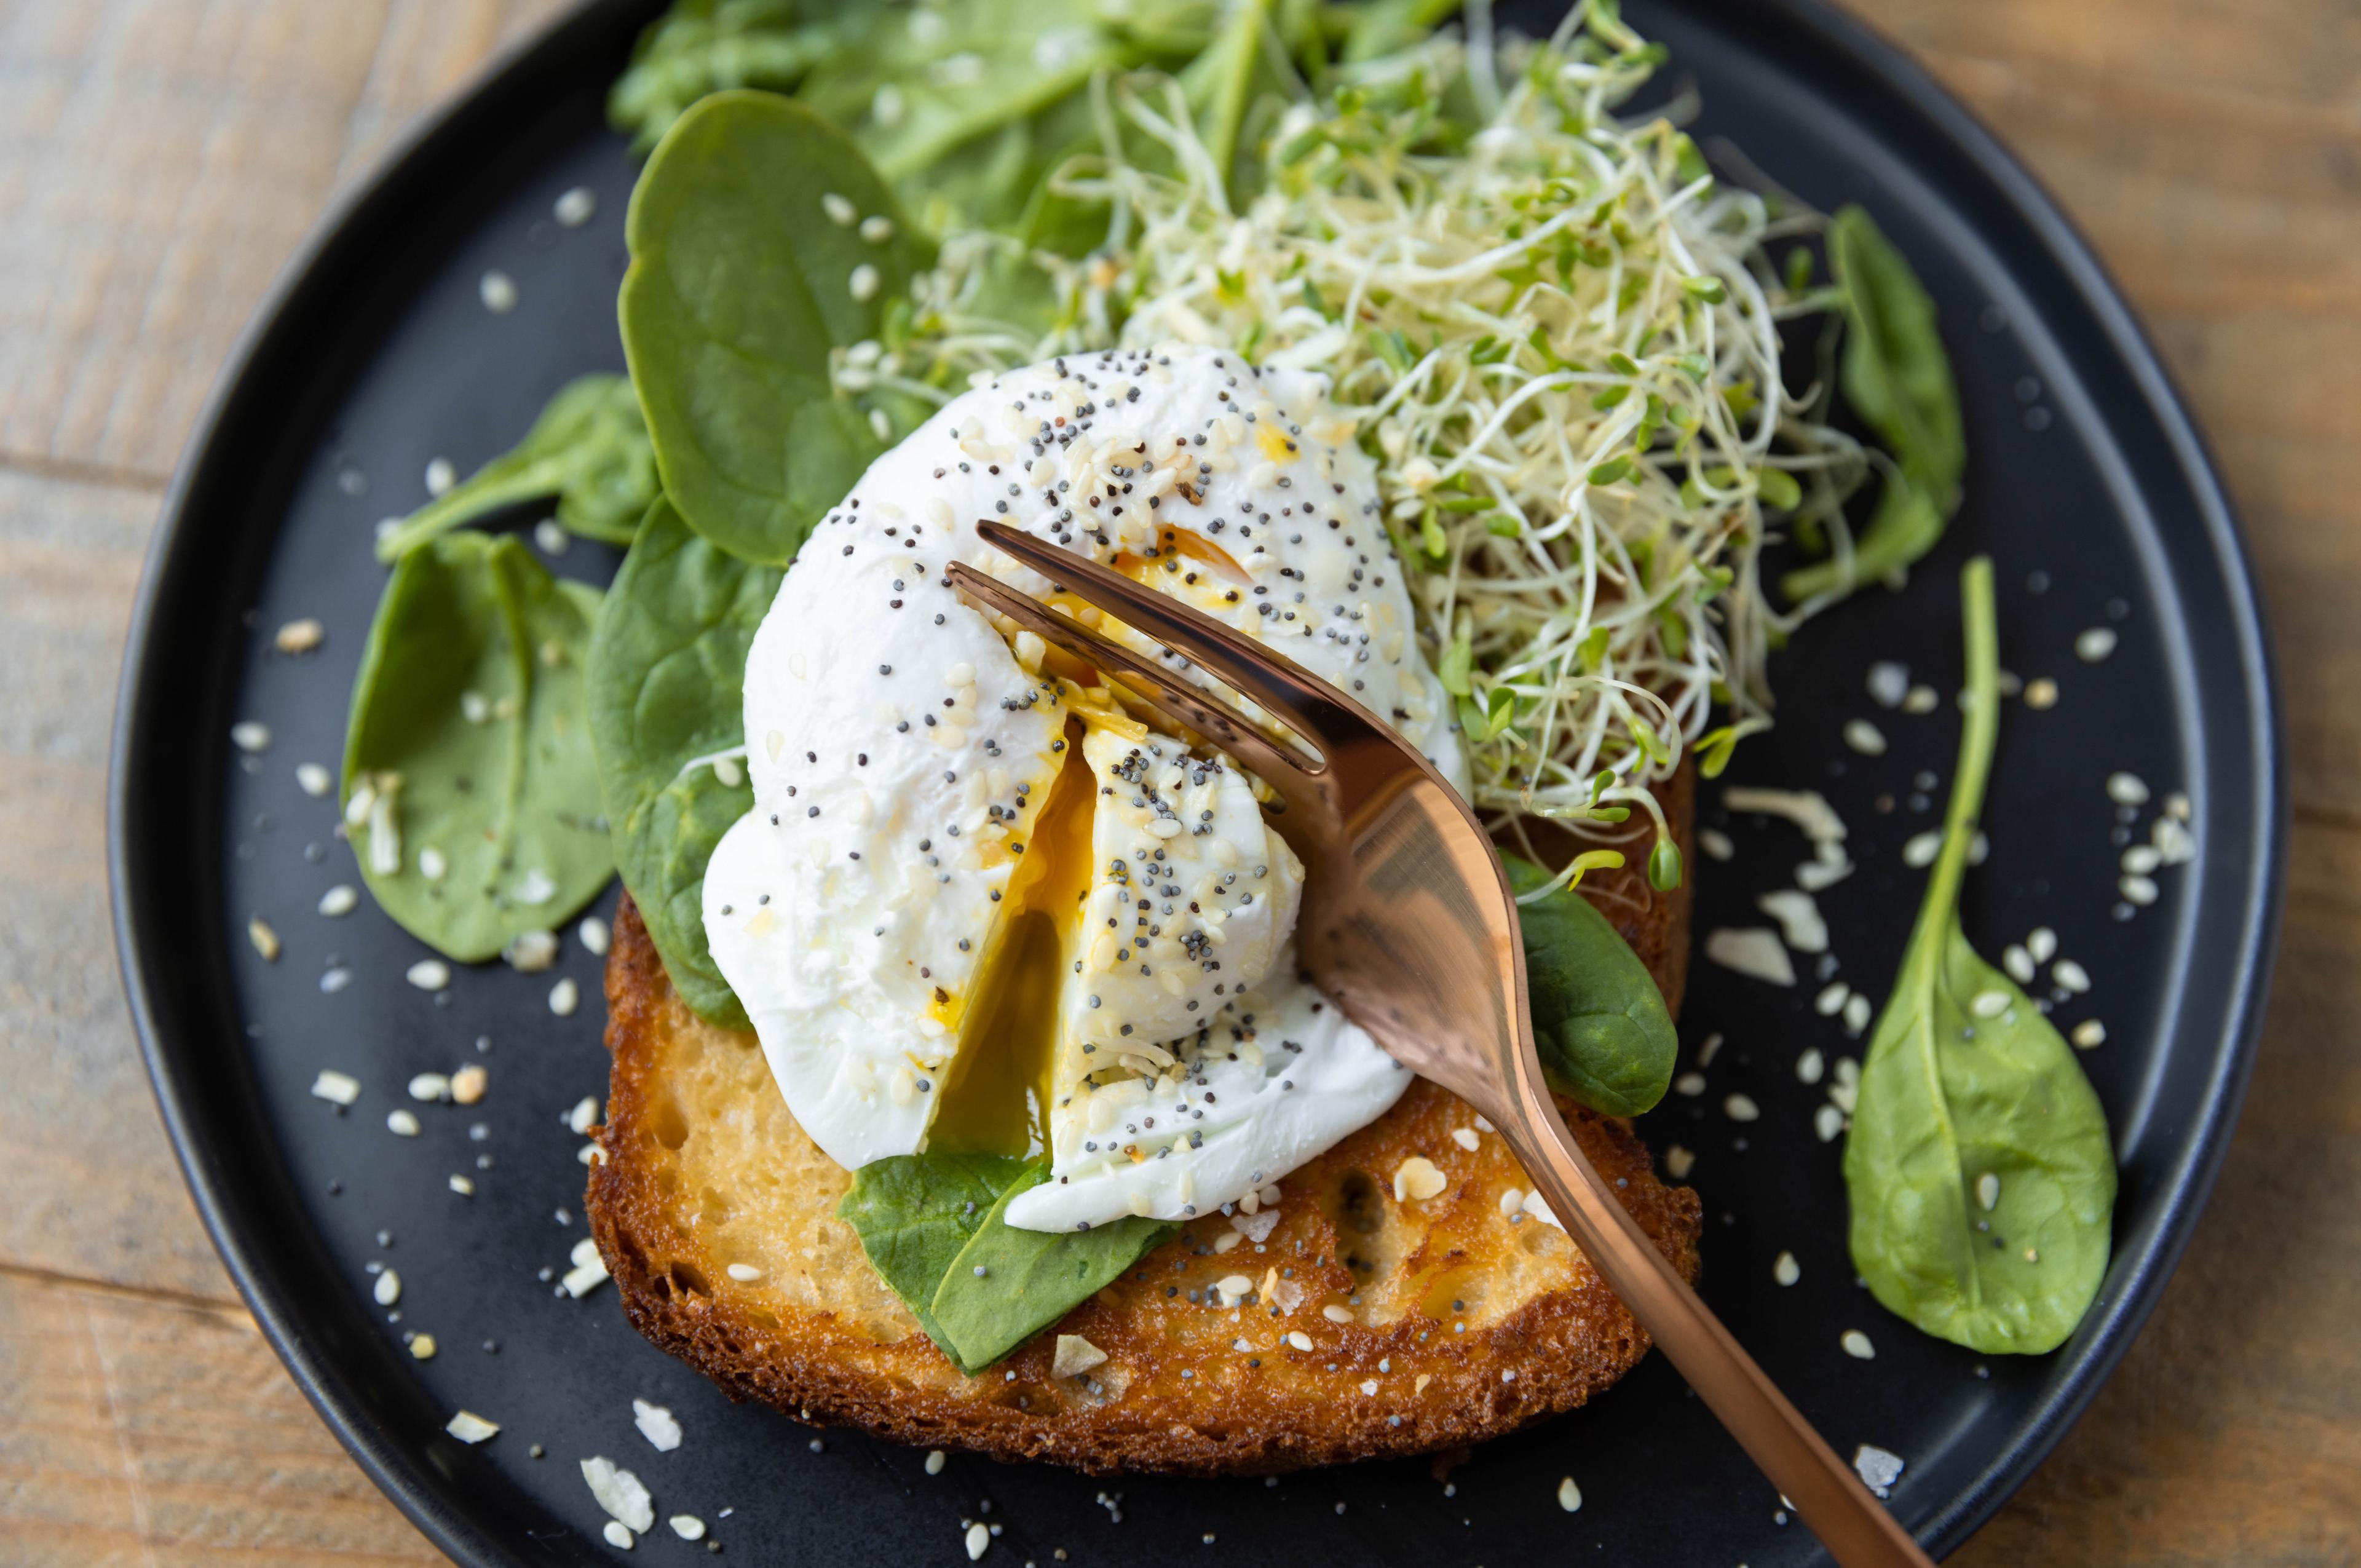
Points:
1678	1163
594	935
1922	849
1922	700
1785	1269
1889	682
1809	1066
688	1527
1830	1002
339	899
429	1087
2041	692
313	780
1827	1123
337	1088
467	1084
2126	789
1740	1108
2018	963
1569	1496
498	292
299	636
2071	976
979	1541
575	207
550	537
422	1346
1864	737
387	1289
2138	890
1878	1468
563	997
471	1428
2095	644
250	735
265	939
1715	844
1689	1083
657	1424
401	1122
2042	943
465	1185
617	1534
935	1461
2090	1034
440	476
1856	1014
1856	1344
429	974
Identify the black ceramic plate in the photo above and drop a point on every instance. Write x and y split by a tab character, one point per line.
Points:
2085	481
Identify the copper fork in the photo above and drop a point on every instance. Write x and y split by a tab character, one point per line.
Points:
1408	924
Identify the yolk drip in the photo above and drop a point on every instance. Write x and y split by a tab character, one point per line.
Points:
996	1098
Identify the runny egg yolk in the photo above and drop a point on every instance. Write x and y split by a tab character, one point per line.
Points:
996	1097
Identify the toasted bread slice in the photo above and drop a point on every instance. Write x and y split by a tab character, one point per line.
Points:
1430	1324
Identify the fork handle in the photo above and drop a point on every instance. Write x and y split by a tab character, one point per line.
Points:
1851	1523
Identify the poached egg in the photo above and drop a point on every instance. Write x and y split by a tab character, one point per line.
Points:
980	905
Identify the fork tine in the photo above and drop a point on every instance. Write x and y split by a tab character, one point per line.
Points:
1317	712
1175	698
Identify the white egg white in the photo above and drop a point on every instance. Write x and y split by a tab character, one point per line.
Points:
903	749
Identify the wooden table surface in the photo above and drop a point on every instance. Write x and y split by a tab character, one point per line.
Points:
159	160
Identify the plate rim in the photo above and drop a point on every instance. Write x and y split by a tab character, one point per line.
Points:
397	1467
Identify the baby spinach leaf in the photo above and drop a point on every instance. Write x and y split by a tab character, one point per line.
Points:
1604	1034
979	66
1896	376
913	1214
1979	1170
701	47
743	279
469	784
668	678
1007	1285
589	449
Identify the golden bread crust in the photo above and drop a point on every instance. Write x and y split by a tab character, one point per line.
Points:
1457	1324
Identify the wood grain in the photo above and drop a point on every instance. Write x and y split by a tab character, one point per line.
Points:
160	159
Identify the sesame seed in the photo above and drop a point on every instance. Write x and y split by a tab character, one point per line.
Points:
574	208
497	291
1785	1269
1856	1344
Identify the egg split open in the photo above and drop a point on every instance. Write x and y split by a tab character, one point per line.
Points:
979	904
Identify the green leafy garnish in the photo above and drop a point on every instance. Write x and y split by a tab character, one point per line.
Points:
589	449
1979	1168
748	267
468	787
934	1228
1897	377
701	47
915	1212
668	675
1604	1033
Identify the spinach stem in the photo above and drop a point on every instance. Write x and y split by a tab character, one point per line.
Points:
1977	736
